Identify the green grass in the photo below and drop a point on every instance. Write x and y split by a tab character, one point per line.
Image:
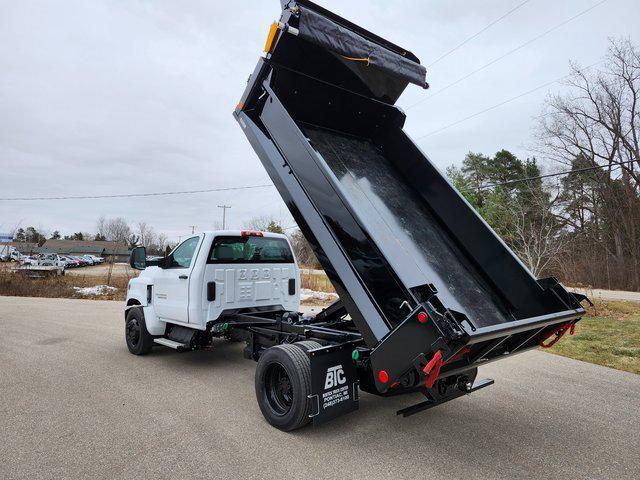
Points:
608	335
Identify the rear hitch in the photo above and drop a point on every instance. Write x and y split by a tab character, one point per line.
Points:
463	388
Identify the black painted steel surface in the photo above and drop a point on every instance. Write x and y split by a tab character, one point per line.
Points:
394	236
404	228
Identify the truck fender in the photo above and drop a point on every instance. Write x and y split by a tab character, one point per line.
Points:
138	296
154	325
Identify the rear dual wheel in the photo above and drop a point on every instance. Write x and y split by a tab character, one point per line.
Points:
283	385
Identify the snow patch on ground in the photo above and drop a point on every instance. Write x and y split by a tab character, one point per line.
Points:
308	295
95	291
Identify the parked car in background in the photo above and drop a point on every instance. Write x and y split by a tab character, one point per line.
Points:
83	261
73	261
68	262
96	260
32	260
46	264
16	256
50	260
89	259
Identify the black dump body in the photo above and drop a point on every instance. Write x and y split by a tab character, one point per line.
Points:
395	238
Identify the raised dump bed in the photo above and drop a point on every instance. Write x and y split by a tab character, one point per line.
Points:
429	285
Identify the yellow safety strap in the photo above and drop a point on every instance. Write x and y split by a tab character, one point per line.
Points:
359	59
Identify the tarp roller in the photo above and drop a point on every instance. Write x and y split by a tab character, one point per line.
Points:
322	31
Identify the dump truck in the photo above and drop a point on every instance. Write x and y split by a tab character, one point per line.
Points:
427	291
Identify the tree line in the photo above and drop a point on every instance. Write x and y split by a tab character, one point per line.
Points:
583	226
107	229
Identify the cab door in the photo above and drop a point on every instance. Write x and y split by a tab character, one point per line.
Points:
171	287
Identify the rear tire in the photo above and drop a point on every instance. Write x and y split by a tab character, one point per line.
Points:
139	340
308	345
283	384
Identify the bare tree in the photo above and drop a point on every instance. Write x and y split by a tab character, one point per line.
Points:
600	119
303	250
598	124
147	235
160	245
113	229
264	223
101	227
536	231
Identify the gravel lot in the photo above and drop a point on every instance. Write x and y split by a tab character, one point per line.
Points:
76	404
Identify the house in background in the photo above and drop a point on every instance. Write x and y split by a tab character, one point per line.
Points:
25	248
119	251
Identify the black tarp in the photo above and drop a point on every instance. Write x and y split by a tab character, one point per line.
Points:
322	31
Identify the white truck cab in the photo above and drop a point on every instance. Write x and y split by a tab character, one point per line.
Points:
208	275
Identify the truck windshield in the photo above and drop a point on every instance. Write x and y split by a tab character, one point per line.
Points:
250	250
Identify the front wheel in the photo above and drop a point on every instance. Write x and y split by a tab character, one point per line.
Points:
283	384
139	340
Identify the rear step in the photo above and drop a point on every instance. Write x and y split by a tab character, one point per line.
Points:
432	402
181	347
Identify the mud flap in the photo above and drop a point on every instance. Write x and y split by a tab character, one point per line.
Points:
334	383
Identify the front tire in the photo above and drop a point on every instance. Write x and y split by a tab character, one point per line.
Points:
139	340
283	384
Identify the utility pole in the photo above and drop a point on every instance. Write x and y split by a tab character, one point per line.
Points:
193	229
224	215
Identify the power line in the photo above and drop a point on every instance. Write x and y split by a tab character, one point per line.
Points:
129	195
504	102
446	54
519	47
548	175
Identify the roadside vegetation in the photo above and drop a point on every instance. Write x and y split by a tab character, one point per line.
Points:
608	335
318	288
67	286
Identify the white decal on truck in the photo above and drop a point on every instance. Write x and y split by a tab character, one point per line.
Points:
335	377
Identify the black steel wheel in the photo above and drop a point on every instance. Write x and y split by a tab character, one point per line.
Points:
278	389
283	384
139	340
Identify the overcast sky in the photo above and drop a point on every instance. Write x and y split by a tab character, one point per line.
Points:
106	97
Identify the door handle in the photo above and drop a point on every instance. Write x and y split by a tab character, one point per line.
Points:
183	277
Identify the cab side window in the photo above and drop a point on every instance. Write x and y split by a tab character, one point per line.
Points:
183	254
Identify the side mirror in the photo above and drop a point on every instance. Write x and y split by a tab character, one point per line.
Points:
138	258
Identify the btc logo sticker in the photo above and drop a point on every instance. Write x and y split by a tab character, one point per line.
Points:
335	377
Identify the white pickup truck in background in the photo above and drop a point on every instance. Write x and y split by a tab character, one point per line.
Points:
46	265
177	300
